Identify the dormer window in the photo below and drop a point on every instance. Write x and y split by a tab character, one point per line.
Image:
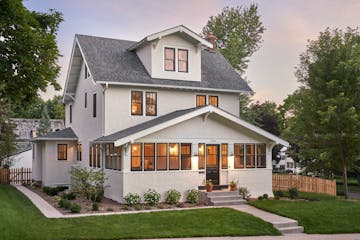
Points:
169	59
182	60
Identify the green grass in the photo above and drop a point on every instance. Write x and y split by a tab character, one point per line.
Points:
20	219
321	214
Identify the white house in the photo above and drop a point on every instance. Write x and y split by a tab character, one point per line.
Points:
285	163
160	113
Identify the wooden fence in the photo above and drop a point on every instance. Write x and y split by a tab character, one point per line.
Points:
304	184
15	176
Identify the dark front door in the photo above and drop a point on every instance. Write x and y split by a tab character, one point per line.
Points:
212	163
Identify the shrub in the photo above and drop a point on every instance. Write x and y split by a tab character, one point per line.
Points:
192	196
132	199
97	195
63	203
293	193
278	193
173	196
95	206
265	196
69	196
244	192
109	209
57	199
61	188
260	198
151	197
51	191
75	208
276	197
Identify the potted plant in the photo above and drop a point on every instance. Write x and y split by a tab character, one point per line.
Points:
209	185
233	185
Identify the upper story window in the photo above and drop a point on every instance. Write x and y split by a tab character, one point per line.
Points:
182	60
169	59
94	105
79	152
86	74
70	110
200	100
136	102
151	102
86	100
214	101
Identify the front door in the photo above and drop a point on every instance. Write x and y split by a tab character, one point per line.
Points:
212	163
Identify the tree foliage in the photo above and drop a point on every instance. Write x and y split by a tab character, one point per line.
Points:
28	52
44	124
323	115
239	33
7	135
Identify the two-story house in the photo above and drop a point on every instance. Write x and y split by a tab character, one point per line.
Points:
161	113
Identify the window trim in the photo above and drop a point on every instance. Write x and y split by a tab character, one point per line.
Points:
146	103
174	61
141	103
61	159
187	60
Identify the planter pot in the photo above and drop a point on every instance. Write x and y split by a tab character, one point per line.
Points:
232	188
209	188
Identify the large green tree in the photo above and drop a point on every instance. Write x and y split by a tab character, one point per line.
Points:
323	116
239	33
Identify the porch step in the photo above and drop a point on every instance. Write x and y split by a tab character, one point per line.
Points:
290	230
224	198
285	224
226	202
222	193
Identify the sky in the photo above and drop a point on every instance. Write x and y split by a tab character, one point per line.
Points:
289	25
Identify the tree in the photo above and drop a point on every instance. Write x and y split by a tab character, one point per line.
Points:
55	108
7	135
323	116
239	33
44	124
28	52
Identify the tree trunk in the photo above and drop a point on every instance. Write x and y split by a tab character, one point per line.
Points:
346	192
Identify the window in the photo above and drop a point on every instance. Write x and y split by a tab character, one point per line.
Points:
62	151
214	101
185	156
79	152
149	156
261	156
182	60
98	155
112	157
70	110
224	156
136	103
239	155
174	156
87	73
250	155
200	100
91	156
86	100
136	155
94	156
94	105
201	156
151	102
161	158
169	60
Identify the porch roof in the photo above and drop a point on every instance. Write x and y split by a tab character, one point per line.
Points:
129	135
64	134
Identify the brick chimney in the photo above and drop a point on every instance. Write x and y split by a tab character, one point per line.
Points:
212	39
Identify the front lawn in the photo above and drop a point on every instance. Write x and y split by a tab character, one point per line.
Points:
20	219
319	214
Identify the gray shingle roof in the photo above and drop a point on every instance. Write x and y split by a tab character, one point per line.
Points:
65	134
110	61
140	127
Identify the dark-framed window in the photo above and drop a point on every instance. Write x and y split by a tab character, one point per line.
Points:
161	156
91	156
250	155
85	96
214	101
94	105
173	156
70	111
169	59
98	156
261	155
151	103
238	155
79	152
62	152
136	103
112	157
201	156
224	156
185	156
136	156
200	100
149	156
183	58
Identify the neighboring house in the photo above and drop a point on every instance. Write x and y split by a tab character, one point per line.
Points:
25	130
161	113
285	163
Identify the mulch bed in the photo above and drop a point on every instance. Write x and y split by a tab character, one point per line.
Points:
106	205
